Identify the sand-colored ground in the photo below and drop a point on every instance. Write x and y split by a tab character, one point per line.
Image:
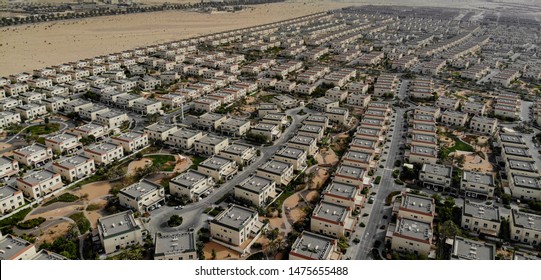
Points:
52	233
326	156
475	163
134	165
93	216
5	146
183	163
222	253
28	47
275	222
94	190
320	177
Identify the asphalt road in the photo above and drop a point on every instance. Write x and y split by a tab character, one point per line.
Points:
193	216
385	187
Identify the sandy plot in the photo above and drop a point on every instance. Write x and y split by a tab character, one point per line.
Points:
5	146
475	162
222	253
183	163
29	47
326	156
94	190
320	178
275	222
134	165
52	233
93	216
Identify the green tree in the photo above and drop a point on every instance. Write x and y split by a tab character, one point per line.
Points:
447	229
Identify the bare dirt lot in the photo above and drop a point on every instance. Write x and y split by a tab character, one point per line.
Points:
28	47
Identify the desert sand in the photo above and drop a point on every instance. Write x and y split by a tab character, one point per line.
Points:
28	47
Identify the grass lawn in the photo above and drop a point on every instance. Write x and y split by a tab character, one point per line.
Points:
458	146
42	129
15	219
66	197
82	222
167	162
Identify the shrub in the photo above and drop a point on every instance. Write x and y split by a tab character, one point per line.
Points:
66	197
31	223
362	224
377	180
174	221
83	224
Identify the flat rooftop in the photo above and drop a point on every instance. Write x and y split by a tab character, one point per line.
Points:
275	167
316	118
511	138
72	162
343	190
174	243
362	142
62	137
516	151
189	178
522	165
478	177
235	217
139	189
29	150
526	220
311	128
38	177
481	211
414	229
424	127
274	116
215	162
290	152
303	140
350	171
211	117
160	127
102	148
132	135
255	184
7	191
357	156
424	150
264	127
437	169
12	247
186	133
45	255
418	203
527	182
467	249
330	212
424	138
117	224
111	114
211	140
237	148
313	246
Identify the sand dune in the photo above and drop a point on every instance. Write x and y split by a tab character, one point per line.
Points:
28	47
